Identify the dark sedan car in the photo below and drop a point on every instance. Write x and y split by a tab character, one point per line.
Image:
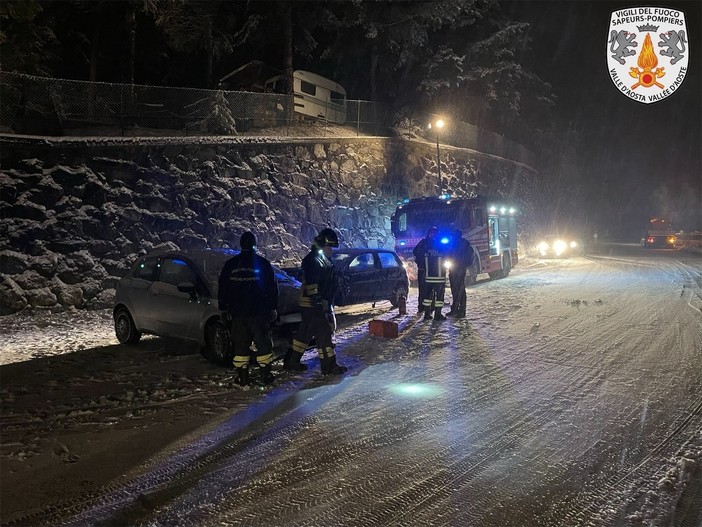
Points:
366	275
174	294
369	275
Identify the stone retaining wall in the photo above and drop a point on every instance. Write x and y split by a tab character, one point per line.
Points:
76	213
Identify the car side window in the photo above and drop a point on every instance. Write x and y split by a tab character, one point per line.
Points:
146	269
175	271
362	262
388	260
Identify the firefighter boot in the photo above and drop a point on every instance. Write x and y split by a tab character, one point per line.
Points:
242	376
438	315
266	376
330	367
427	314
292	362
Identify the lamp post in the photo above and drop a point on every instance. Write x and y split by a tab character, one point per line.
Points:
438	125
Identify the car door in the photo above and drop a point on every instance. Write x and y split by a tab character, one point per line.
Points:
362	279
175	313
134	292
391	273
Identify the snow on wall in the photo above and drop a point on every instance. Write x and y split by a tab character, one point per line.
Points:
77	212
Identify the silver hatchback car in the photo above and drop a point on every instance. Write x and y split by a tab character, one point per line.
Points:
174	294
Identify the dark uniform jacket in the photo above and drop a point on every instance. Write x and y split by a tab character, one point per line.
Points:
431	259
247	286
319	281
462	254
419	251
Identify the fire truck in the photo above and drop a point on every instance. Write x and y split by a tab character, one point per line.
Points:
489	226
659	233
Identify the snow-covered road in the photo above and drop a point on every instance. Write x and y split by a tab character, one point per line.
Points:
569	396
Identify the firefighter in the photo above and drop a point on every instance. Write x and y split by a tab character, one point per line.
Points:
248	295
461	260
419	252
316	304
434	276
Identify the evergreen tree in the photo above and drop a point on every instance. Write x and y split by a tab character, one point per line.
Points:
219	119
208	27
26	38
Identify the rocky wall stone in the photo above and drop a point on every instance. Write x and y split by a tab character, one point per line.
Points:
12	297
73	224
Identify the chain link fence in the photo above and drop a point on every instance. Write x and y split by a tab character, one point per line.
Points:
45	106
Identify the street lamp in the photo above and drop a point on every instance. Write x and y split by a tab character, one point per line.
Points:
438	125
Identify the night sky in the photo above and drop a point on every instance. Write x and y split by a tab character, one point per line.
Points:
645	158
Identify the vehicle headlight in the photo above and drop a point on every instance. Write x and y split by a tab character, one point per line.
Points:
671	240
559	246
543	248
573	245
447	264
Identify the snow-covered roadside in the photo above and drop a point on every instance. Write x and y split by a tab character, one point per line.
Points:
43	333
70	411
74	401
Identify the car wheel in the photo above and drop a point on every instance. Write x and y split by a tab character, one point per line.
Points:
125	329
218	346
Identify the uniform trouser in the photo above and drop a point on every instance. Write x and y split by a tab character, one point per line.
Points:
457	279
422	286
434	295
244	330
319	324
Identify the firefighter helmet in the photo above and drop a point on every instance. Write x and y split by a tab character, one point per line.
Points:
327	238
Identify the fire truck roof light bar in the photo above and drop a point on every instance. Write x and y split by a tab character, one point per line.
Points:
502	210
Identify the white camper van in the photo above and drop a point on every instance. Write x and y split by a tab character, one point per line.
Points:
314	95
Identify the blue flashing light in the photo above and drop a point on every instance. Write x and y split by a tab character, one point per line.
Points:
406	200
445	240
445	196
403	242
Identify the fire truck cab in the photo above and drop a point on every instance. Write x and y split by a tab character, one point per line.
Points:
490	227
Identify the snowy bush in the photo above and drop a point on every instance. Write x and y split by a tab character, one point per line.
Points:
219	119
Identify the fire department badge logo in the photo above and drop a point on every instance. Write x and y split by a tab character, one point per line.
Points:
647	52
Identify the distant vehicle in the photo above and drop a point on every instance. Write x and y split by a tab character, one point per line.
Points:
314	95
366	276
174	294
490	228
659	233
559	247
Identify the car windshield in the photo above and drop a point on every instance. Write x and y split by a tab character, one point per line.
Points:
339	257
211	263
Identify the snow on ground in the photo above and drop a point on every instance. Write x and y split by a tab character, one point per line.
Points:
45	334
75	402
